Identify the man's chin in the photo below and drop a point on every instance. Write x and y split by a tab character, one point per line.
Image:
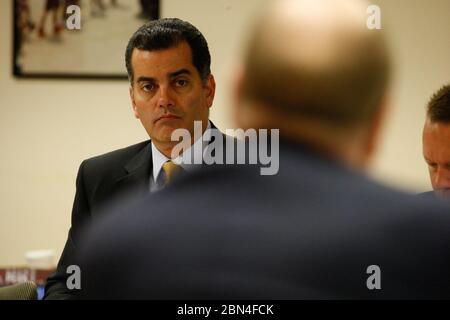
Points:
164	134
168	125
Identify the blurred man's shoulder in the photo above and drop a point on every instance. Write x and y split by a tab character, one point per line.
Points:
427	195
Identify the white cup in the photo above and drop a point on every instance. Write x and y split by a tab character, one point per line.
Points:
40	259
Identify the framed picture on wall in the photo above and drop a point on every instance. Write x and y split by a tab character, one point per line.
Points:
76	38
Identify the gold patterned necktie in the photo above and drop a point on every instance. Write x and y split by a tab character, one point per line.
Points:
171	170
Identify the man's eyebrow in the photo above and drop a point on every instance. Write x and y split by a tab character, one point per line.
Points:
171	75
145	79
179	72
447	164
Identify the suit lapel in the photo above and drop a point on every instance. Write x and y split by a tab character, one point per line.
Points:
138	170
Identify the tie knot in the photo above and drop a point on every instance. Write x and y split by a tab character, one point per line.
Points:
171	170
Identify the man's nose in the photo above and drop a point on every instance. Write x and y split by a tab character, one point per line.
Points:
165	98
442	178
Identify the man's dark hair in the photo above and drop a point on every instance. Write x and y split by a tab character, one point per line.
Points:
167	33
438	109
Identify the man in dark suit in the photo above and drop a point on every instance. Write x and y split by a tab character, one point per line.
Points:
319	229
436	143
171	87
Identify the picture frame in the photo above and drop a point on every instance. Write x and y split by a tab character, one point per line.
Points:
48	42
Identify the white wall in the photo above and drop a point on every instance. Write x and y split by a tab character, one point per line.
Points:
48	127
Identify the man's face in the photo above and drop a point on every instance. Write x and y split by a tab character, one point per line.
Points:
168	92
436	151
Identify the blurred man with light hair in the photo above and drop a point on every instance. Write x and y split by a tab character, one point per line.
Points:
320	228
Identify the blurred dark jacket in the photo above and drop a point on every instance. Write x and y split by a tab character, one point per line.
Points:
309	232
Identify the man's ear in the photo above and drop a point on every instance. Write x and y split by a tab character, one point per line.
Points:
210	88
133	103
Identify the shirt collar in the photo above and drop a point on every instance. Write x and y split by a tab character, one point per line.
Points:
198	148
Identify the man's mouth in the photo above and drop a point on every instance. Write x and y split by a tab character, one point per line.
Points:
167	117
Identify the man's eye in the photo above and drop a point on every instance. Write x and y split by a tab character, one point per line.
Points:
148	87
432	165
181	83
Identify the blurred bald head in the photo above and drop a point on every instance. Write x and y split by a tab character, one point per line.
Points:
315	61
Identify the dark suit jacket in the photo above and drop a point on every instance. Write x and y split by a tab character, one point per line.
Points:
309	232
102	181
